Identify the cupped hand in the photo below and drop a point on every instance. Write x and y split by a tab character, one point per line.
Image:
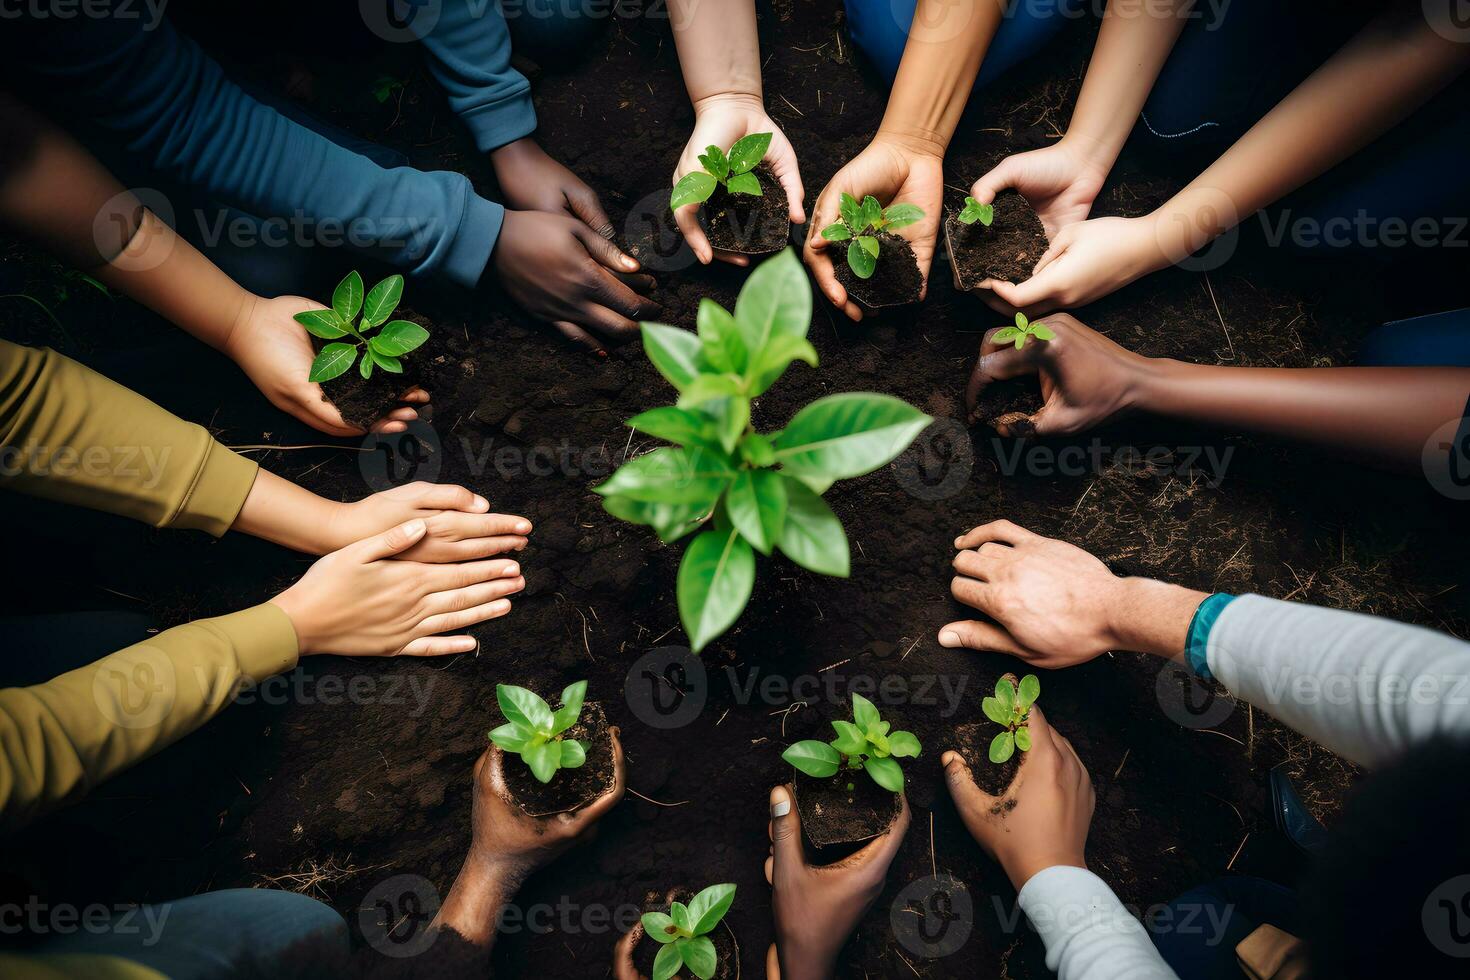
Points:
1054	605
460	525
1087	260
1059	181
720	121
1054	801
561	271
275	352
360	601
531	180
892	171
1086	379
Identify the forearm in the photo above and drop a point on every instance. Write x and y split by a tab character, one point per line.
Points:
1087	932
283	513
1386	414
947	43
719	49
474	904
469	55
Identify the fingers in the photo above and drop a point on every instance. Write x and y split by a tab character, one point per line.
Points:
1002	364
983	562
390	542
321	414
584	204
732	258
468	617
1039	294
473	549
687	218
415	396
1001	177
974	635
579	336
623	968
773	963
444	605
450	578
788	174
438	646
449	496
604	251
458	525
968	797
785	829
594	811
1002	531
879	853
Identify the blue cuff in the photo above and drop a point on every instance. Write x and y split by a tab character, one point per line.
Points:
1197	645
469	252
497	124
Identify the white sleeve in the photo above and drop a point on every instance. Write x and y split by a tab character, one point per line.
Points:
1088	933
1364	687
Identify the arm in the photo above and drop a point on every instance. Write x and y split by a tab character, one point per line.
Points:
469	54
1088	933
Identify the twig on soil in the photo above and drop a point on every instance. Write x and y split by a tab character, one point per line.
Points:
1238	815
117	593
910	649
933	865
837	664
1223	327
722	717
788	102
654	802
1238	850
1211	731
1119	770
908	964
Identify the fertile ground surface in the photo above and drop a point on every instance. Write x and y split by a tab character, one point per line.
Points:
313	787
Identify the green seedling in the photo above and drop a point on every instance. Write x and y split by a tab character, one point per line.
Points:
386	86
684	933
863	743
974	211
1011	709
1022	330
860	226
383	349
733	171
749	491
534	732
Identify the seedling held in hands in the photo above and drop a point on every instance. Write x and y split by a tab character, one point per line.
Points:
732	171
1011	709
863	743
383	349
751	492
684	933
974	211
860	226
534	732
1022	330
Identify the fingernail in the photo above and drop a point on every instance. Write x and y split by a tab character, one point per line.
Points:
523	527
782	806
511	569
481	501
629	263
949	638
414	528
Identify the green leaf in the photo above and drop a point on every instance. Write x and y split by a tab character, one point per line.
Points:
1005	335
996	711
723	345
715	580
710	388
756	450
573	754
879	742
776	358
901	215
812	536
671	521
872	212
708	907
384	361
325	324
671	476
400	337
1021	340
381	301
667	962
850	739
731	418
744	184
975	211
715	162
674	352
512	737
524	707
1030	691
347	297
756	503
1021	322
679	912
572	697
775	300
1002	747
544	760
365	366
847	435
886	773
333	361
865	713
659	927
1023	739
862	258
699	955
903	745
678	425
749	151
852	212
1005	693
816	759
1042	332
837	232
692	188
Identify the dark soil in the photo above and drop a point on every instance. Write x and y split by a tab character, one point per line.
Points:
1007	250
727	950
972	741
333	794
848	808
569	789
750	225
896	280
363	401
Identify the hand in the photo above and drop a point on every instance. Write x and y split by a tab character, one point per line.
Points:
460	527
1086	261
1059	181
358	603
1086	379
275	352
1054	802
892	171
817	908
563	272
532	181
720	121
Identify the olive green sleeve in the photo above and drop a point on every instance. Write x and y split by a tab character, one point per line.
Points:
61	738
67	433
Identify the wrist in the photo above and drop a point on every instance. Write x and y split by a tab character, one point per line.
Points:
1022	868
737	99
1152	617
1097	154
297	610
236	336
913	140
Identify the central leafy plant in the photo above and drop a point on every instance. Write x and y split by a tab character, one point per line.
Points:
534	732
732	171
865	743
860	226
384	349
974	211
684	933
1023	329
749	491
1011	709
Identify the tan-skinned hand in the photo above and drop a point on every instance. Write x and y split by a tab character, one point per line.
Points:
459	525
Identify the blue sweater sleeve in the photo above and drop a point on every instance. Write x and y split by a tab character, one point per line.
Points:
155	94
469	53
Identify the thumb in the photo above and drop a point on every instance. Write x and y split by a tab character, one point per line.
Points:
968	797
585	204
975	635
1001	176
785	828
391	542
604	251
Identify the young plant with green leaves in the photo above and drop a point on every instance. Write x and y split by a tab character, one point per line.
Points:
749	491
1023	330
383	349
684	933
860	226
974	211
864	743
733	171
1011	709
535	733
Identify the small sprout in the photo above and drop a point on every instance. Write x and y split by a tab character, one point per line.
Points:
863	743
1023	329
975	211
385	86
1011	709
533	731
683	933
382	350
733	171
860	226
